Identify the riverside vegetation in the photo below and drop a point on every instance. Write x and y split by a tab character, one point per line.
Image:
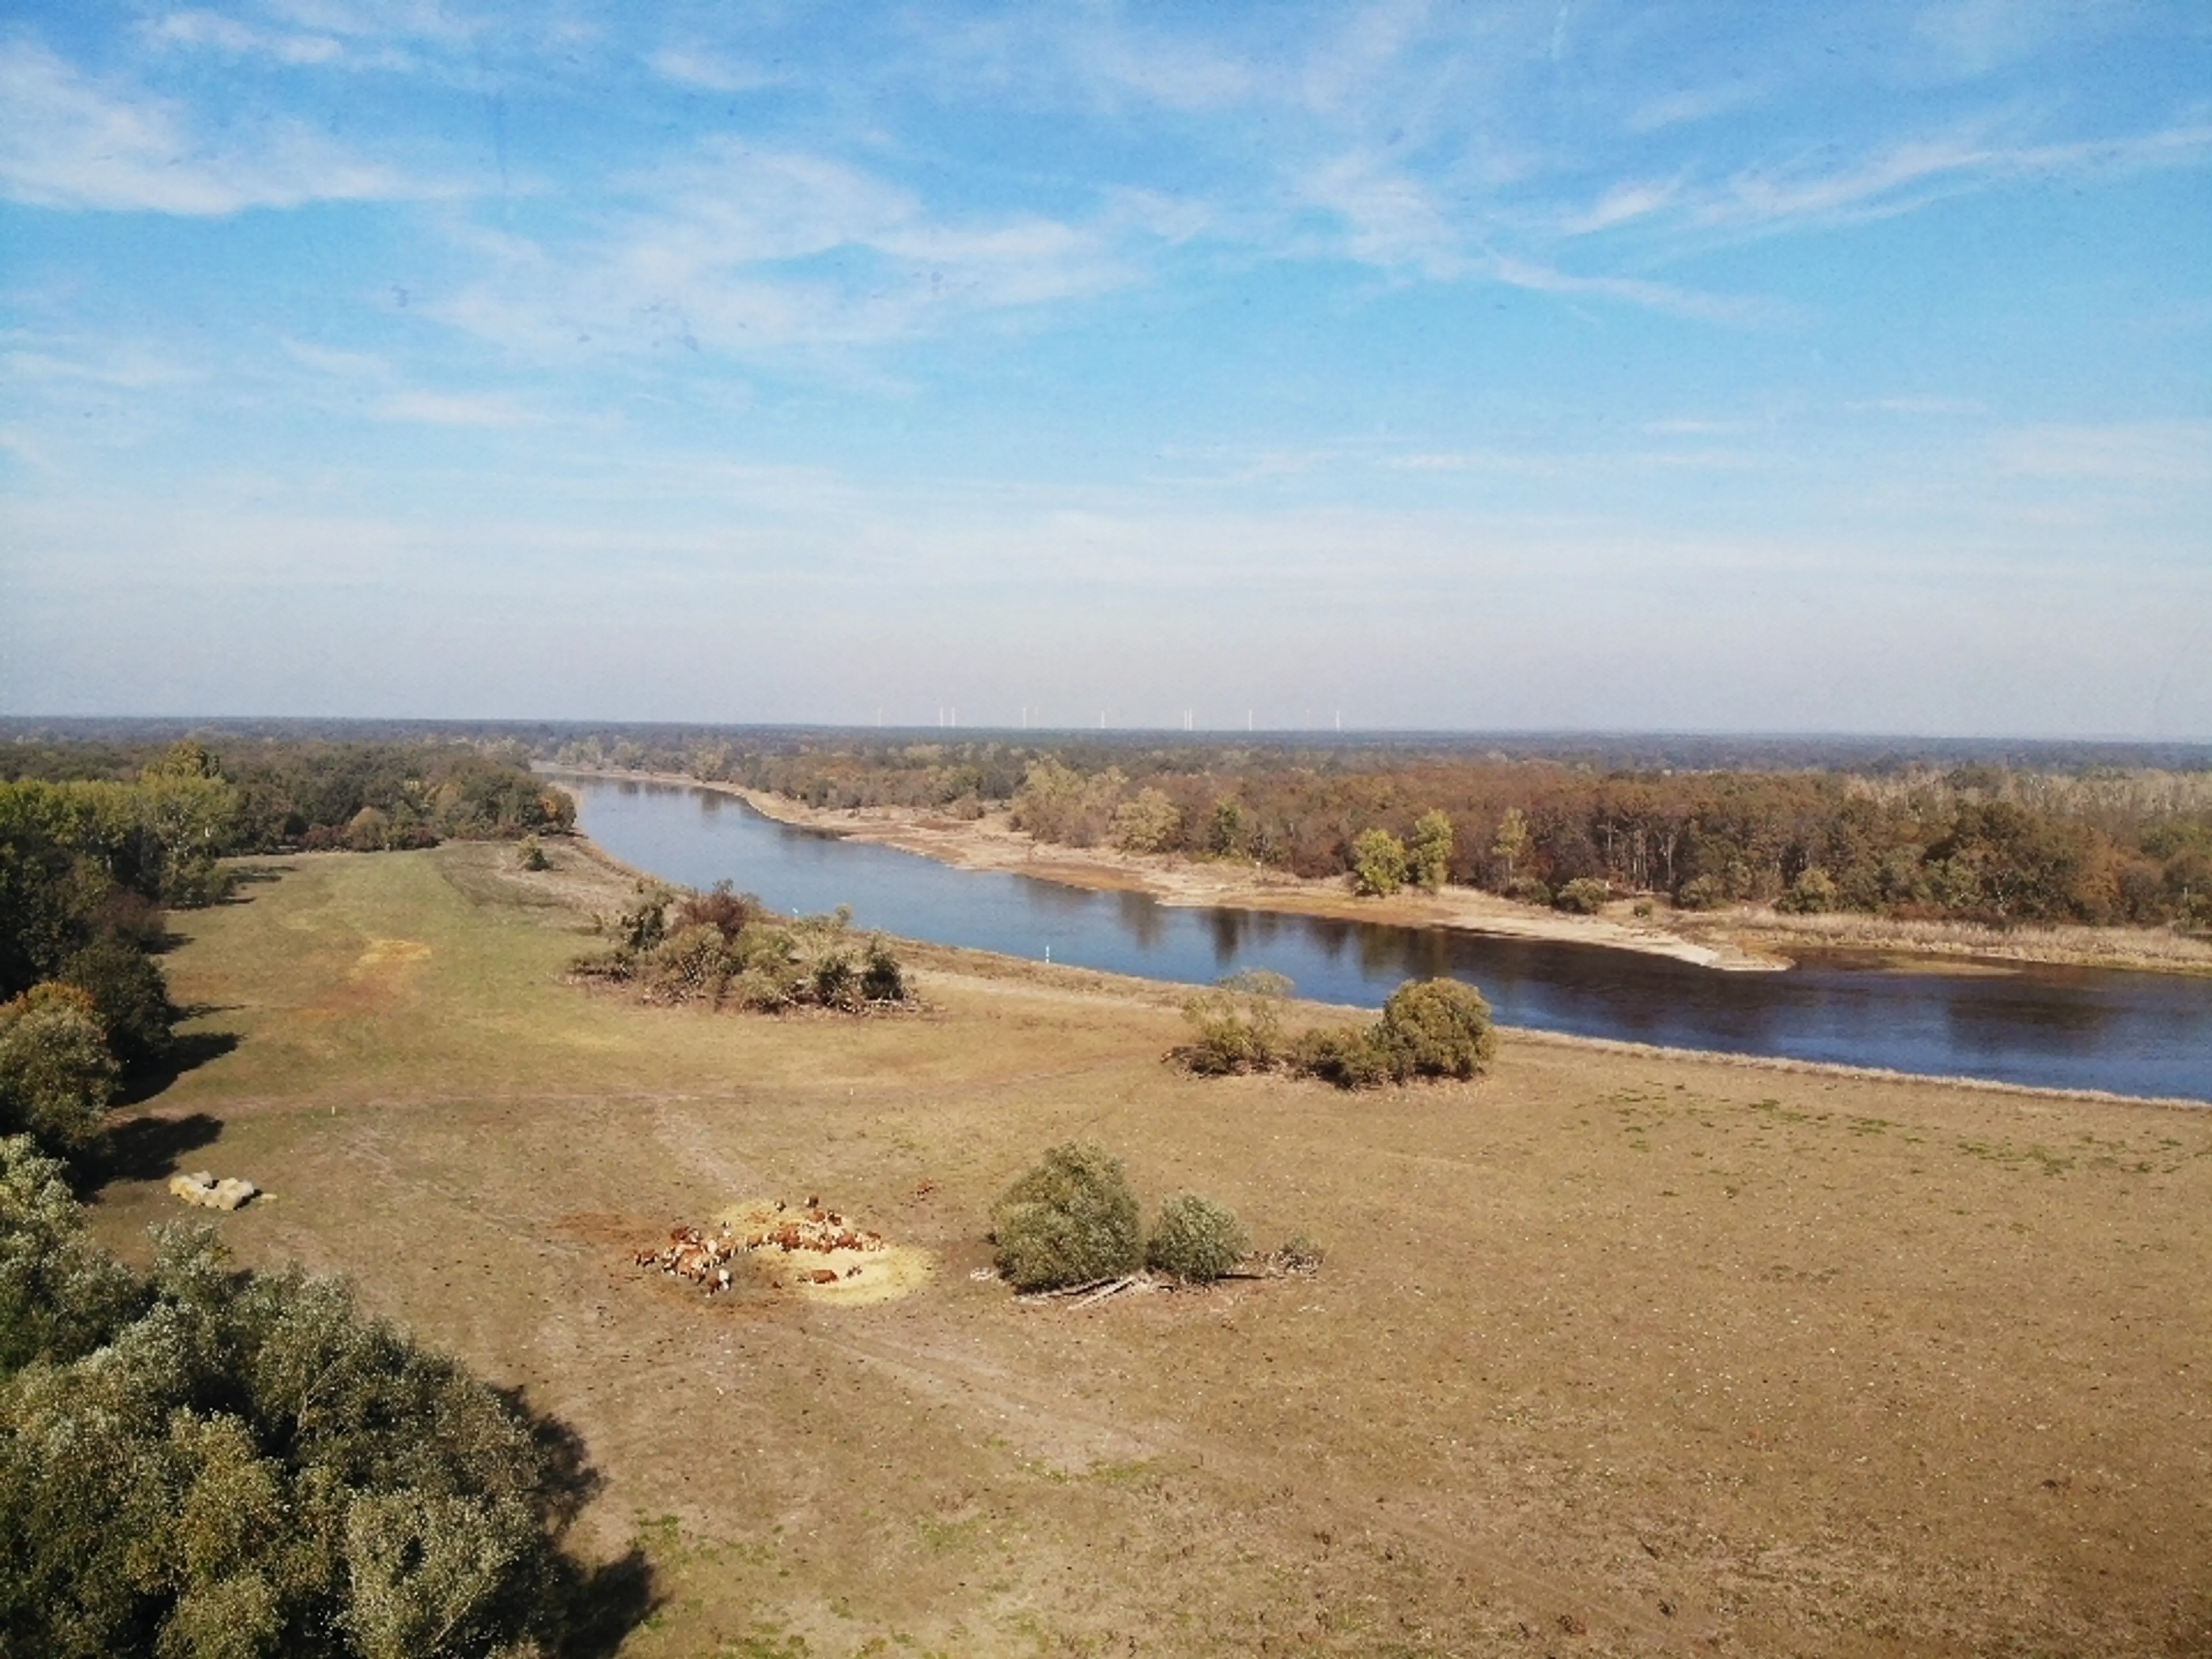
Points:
2095	841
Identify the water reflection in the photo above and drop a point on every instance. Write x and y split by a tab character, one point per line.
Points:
2131	1033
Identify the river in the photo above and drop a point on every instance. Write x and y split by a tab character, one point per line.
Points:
2147	1034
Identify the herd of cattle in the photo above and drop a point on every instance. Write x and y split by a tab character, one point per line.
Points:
704	1257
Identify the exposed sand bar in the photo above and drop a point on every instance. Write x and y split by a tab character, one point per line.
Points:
1738	940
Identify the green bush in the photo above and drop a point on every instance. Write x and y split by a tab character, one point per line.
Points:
529	854
1436	1027
200	1462
1349	1059
1195	1238
1529	890
1814	891
56	1072
882	980
1071	1219
1378	863
1239	1024
1585	895
131	996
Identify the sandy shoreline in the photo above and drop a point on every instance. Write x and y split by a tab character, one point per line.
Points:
989	844
1734	941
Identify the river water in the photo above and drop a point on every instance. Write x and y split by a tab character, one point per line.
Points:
2135	1034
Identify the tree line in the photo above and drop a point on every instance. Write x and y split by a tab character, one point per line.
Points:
2097	843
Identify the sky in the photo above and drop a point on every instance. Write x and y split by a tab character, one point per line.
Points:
1578	365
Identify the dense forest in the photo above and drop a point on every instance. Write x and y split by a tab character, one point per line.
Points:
2092	841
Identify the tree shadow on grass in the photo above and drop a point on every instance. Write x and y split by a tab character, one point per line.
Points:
600	1605
243	876
606	1604
150	1148
188	1051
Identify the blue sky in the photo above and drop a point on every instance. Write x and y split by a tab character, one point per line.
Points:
1565	365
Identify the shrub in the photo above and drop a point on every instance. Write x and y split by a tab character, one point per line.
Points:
1378	863
1349	1059
883	980
1429	858
202	1462
1071	1219
1436	1027
1585	895
531	855
1529	890
56	1072
1814	891
1195	1239
130	997
1702	893
724	909
1239	1024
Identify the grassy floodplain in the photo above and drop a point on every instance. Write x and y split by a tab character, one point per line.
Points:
1612	1352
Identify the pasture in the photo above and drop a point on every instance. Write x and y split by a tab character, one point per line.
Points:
1611	1353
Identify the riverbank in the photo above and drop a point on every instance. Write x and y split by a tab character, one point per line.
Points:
1737	940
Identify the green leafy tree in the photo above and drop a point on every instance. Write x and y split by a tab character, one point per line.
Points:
1378	863
1430	853
1511	844
56	1072
1070	1219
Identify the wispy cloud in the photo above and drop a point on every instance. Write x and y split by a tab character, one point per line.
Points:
1905	176
442	409
1734	310
66	142
736	249
708	70
213	29
2141	452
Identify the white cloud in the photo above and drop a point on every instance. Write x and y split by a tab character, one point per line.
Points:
736	249
2141	452
444	409
67	143
693	66
1734	310
211	29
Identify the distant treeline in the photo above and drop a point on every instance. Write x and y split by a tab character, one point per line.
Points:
2002	844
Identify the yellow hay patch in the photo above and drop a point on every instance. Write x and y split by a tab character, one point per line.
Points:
844	1274
389	957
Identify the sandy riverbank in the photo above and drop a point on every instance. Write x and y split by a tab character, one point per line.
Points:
1743	939
990	843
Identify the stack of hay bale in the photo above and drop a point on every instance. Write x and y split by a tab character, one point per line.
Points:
204	1189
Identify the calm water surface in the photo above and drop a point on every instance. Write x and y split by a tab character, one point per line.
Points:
2138	1034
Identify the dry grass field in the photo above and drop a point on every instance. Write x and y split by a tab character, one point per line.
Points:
1612	1353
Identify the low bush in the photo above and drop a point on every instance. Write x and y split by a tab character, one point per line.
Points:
1239	1026
1195	1238
1436	1027
1585	895
1071	1219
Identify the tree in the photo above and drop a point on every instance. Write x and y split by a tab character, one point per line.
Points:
56	1072
1378	863
1146	824
1511	844
1070	1219
1430	852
